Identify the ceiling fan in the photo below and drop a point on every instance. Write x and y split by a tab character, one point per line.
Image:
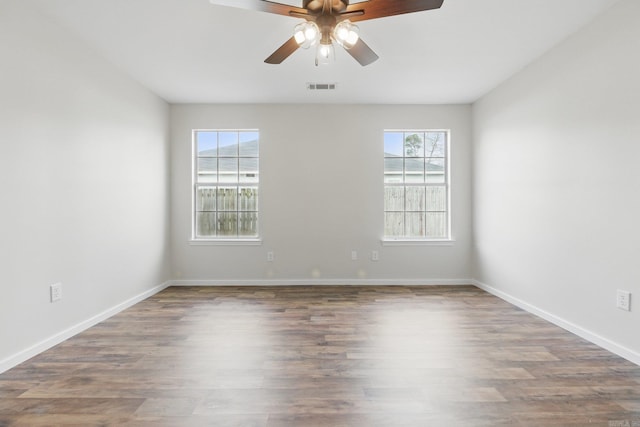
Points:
327	21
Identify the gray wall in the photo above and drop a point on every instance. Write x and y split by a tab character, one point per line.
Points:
321	196
83	182
557	182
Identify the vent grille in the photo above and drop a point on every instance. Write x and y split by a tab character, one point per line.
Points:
321	86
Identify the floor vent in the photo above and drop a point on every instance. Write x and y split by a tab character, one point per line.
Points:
321	86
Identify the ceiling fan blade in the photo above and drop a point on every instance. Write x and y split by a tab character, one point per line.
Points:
373	9
283	52
262	6
362	53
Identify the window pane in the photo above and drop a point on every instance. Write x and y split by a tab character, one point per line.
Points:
393	144
416	224
249	169
207	143
436	171
393	169
227	224
435	144
205	224
436	199
248	200
227	199
249	144
228	169
228	144
248	224
414	170
206	199
437	225
207	170
414	144
394	199
393	224
415	199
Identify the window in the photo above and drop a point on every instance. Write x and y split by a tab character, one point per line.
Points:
416	185
226	184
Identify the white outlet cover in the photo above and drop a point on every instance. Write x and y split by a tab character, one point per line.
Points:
56	292
623	300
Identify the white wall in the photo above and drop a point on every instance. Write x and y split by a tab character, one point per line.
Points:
321	196
557	182
83	184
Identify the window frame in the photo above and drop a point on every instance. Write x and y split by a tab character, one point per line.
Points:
195	185
420	240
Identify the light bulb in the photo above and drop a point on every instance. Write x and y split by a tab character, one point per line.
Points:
311	32
342	33
352	38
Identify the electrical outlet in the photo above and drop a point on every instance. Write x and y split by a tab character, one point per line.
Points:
623	300
375	255
56	292
270	256
354	255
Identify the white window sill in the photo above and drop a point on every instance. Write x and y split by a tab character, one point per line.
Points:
416	242
225	242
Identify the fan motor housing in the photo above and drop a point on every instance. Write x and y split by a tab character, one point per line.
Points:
316	5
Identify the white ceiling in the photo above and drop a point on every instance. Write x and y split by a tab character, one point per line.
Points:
189	51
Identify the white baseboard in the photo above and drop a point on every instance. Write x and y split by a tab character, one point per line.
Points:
592	337
325	282
56	339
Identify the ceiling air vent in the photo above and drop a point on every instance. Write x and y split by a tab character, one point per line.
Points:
321	86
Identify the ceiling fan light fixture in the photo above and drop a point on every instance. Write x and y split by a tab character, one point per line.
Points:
346	34
326	21
306	34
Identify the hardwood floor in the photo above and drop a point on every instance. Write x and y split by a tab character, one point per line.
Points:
323	356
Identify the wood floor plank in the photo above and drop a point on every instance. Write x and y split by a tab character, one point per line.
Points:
322	356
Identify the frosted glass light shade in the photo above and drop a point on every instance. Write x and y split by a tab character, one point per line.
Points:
325	54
